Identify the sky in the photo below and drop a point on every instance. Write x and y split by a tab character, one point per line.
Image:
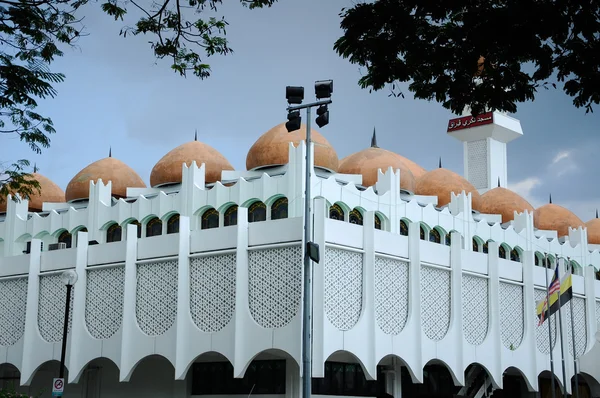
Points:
117	95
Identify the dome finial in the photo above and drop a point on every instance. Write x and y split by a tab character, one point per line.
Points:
498	182
550	199
35	171
196	135
440	163
110	151
374	139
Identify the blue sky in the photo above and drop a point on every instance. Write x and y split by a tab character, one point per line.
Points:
117	95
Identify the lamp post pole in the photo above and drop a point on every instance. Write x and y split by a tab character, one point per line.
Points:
307	274
68	278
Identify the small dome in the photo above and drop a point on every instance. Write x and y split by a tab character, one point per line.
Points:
368	161
505	202
272	148
593	231
108	169
168	170
442	182
555	218
49	192
416	170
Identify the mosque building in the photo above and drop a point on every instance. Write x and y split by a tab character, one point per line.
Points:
426	286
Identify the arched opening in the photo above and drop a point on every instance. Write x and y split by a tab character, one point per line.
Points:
403	228
43	376
377	222
541	261
344	375
477	244
515	254
210	219
151	376
10	378
478	382
545	385
230	216
355	217
114	233
139	227
513	384
154	227
485	248
588	385
173	224
422	232
502	251
279	209
336	212
257	212
66	238
434	236
437	382
448	239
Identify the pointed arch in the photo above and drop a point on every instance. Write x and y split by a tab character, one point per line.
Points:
477	244
404	226
504	251
516	254
356	216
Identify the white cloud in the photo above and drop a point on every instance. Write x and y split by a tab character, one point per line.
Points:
561	155
525	188
563	163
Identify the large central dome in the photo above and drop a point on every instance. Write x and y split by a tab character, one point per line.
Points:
272	148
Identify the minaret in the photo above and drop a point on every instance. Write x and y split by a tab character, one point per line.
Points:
484	141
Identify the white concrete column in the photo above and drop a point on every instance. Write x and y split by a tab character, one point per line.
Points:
31	337
494	333
414	299
183	356
529	368
456	309
368	315
319	233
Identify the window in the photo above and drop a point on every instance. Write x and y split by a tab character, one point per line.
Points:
230	216
514	255
279	209
434	236
475	245
377	222
347	379
173	224
501	251
216	378
403	228
336	212
355	217
114	233
485	247
448	239
66	238
139	228
257	212
154	227
421	232
210	219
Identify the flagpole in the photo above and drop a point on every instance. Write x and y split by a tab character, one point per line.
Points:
549	327
562	346
573	341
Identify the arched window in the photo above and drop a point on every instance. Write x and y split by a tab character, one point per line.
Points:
448	238
514	255
485	248
139	228
355	217
154	227
173	224
65	238
257	212
475	245
403	228
279	209
502	251
421	232
377	222
210	219
336	212
114	233
230	216
434	236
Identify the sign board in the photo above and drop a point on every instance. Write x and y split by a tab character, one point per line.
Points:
466	122
58	387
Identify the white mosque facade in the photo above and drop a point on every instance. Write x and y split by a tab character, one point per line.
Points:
427	282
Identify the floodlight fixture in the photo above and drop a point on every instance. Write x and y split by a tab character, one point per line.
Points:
294	121
323	89
323	116
294	94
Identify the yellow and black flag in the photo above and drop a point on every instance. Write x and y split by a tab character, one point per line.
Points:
566	294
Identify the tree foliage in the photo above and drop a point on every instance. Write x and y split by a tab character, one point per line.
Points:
485	54
33	33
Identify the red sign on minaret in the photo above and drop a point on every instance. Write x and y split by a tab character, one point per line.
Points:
466	122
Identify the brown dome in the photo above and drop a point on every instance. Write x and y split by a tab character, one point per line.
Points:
49	192
593	231
442	182
416	170
168	169
272	148
555	218
505	202
108	169
368	161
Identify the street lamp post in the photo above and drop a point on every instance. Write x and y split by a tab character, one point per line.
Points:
69	278
295	95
